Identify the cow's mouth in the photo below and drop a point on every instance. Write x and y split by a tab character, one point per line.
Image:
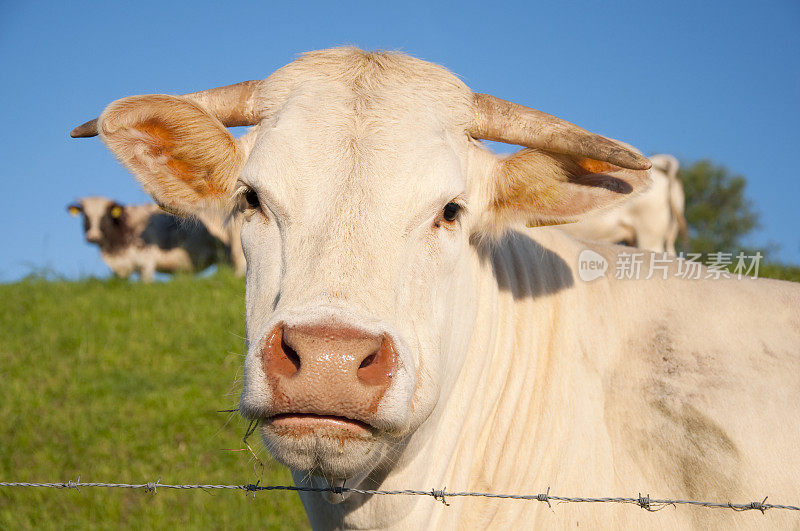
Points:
298	424
329	446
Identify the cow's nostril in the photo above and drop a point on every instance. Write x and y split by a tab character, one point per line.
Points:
366	362
291	354
376	369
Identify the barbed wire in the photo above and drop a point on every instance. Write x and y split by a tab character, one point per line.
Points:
645	502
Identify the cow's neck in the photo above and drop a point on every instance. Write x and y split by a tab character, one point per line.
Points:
118	240
487	417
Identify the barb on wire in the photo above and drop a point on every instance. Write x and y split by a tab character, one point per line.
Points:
73	484
645	502
758	506
438	495
152	487
545	497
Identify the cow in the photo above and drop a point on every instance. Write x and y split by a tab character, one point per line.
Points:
651	220
227	229
405	330
144	238
679	227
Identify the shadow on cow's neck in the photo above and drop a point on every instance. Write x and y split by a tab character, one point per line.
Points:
519	263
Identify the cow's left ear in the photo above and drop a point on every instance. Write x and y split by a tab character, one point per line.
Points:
183	156
542	188
565	173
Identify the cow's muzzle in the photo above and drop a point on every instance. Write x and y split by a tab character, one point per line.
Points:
94	237
326	379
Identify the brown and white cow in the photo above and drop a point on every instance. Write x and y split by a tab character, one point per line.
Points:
413	334
651	220
144	239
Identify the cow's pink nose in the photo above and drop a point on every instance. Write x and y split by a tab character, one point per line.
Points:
327	370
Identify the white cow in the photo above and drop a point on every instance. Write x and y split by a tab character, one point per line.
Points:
651	220
413	334
143	238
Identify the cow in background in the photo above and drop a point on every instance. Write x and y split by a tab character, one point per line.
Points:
677	200
652	220
226	228
144	239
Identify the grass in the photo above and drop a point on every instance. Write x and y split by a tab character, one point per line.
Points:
121	382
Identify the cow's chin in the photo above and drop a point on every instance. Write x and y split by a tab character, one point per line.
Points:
326	446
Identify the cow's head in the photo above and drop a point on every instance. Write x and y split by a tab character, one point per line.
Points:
363	191
103	219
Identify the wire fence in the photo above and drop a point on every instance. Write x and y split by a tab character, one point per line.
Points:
442	495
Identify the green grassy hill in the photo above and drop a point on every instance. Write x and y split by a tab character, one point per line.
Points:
121	382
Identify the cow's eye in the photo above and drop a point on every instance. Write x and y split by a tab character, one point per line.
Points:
450	211
251	197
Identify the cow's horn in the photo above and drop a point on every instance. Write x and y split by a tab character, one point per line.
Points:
504	121
233	105
86	130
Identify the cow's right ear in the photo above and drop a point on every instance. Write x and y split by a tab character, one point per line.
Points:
74	209
115	210
183	156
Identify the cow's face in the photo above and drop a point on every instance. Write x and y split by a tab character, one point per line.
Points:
356	235
361	192
103	219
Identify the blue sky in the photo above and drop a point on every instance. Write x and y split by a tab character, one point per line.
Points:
717	80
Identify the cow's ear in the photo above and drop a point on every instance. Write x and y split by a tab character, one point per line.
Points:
183	156
542	188
115	210
74	209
